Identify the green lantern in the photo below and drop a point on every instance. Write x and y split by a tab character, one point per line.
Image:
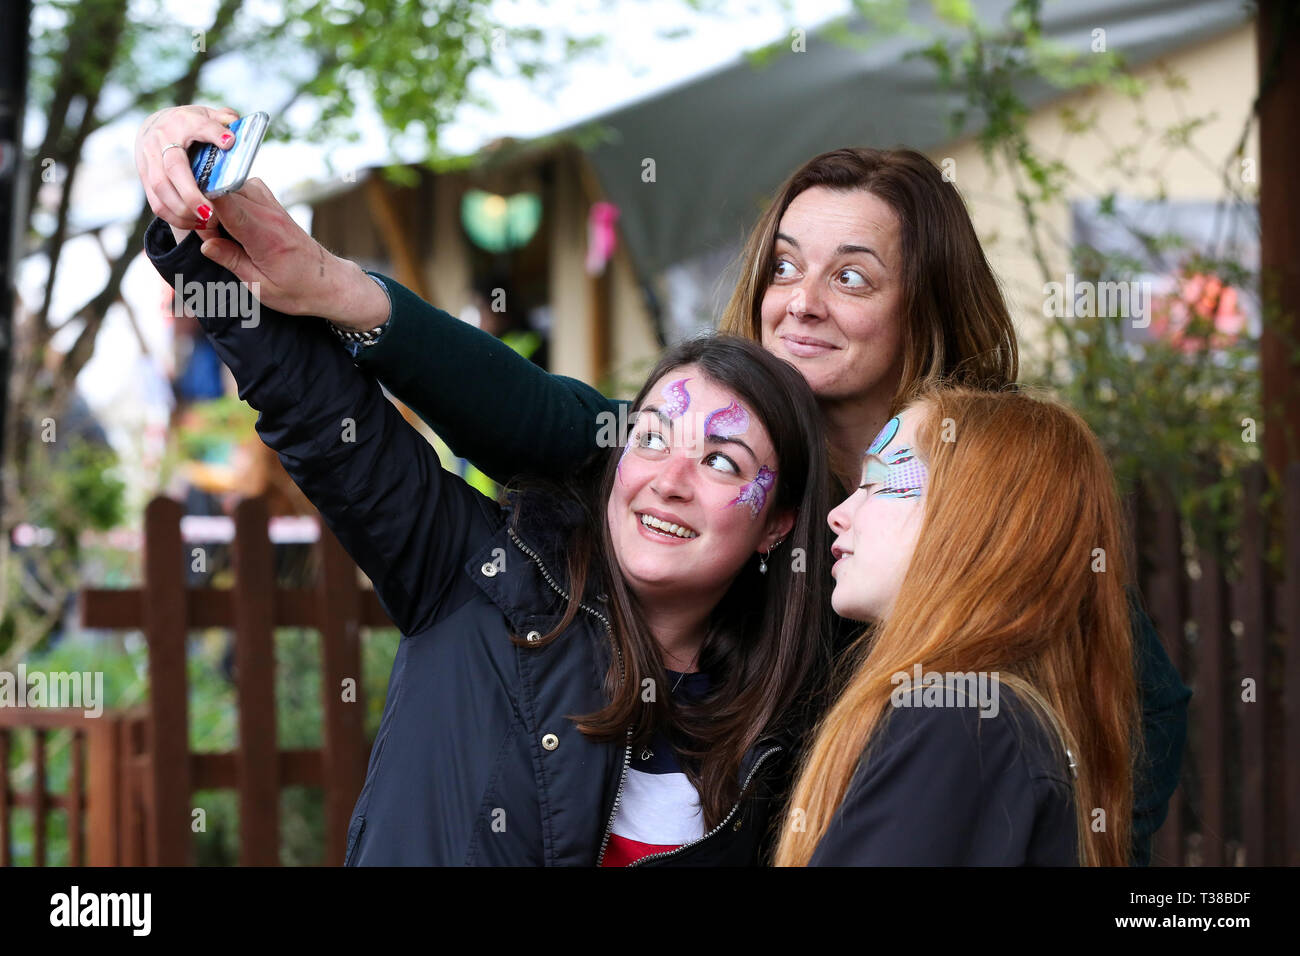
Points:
497	223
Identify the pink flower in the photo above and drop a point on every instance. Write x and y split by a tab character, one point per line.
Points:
1203	313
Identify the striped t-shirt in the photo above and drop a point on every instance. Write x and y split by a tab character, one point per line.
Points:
660	809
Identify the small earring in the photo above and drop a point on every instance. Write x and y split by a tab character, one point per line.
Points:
762	558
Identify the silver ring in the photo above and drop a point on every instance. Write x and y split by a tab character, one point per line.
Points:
169	146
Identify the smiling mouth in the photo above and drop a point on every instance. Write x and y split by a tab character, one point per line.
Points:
805	347
667	528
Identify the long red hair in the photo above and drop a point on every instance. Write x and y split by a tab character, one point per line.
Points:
1021	516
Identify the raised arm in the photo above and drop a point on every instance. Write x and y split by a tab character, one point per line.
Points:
489	404
486	401
377	483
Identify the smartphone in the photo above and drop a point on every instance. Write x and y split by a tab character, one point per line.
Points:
219	171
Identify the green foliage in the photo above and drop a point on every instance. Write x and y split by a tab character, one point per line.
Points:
1170	411
79	488
214	426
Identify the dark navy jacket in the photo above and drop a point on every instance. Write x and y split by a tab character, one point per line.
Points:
476	761
945	786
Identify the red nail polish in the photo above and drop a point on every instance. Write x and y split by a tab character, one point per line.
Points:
205	212
226	138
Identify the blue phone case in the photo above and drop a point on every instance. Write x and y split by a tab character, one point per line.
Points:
219	171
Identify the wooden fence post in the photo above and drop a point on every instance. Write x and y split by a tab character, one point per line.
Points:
6	806
1210	688
76	803
1291	648
103	812
343	756
39	796
165	625
1252	597
258	754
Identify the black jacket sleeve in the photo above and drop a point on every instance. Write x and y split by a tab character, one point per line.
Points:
943	786
1164	700
377	483
490	405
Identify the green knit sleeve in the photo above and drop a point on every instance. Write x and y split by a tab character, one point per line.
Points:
491	405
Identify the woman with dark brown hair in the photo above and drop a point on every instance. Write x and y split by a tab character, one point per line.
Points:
864	273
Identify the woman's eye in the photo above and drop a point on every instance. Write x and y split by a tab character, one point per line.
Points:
649	439
725	463
783	264
855	279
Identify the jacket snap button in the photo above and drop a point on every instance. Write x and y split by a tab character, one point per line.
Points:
489	569
550	741
533	636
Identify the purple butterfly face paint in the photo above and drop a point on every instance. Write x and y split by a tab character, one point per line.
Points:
676	400
728	423
755	492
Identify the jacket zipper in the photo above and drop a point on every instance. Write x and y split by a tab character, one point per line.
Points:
685	846
627	749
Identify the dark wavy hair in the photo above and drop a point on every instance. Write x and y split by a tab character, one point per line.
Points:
767	644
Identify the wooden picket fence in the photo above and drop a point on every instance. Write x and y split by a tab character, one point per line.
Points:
148	805
1238	802
1239	799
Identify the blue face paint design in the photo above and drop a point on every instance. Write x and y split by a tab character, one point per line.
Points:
901	475
885	437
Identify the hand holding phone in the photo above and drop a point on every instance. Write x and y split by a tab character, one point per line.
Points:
172	140
218	171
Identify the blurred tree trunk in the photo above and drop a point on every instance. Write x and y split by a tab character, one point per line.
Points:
1277	31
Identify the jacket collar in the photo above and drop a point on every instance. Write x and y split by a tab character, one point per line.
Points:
529	559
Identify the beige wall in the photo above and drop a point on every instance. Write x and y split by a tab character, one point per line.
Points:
571	333
632	342
1221	83
634	345
445	266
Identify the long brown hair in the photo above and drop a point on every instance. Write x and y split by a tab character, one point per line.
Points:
955	323
766	649
1004	579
